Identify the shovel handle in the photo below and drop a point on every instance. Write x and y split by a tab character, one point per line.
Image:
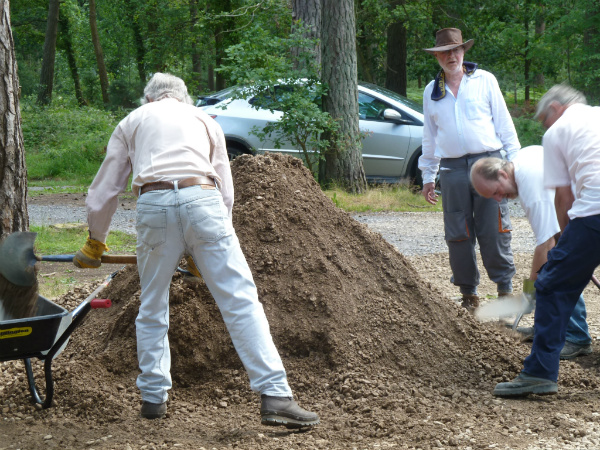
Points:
106	259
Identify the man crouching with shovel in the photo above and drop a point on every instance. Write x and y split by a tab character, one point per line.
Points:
524	177
182	176
572	167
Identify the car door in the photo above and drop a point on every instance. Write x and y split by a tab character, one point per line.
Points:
386	144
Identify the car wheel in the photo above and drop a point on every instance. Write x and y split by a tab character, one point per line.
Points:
233	151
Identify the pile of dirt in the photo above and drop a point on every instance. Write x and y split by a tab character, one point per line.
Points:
366	342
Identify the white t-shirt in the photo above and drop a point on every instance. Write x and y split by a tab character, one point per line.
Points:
572	157
537	201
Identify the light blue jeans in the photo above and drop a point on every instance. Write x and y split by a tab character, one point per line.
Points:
194	221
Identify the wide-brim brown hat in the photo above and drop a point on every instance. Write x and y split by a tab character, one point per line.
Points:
447	39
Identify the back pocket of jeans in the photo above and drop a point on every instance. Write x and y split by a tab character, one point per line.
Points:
207	218
455	226
152	226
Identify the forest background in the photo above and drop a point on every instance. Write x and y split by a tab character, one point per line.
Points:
106	51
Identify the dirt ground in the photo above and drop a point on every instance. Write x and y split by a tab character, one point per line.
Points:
372	340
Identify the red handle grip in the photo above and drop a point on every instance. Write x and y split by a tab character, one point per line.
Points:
100	303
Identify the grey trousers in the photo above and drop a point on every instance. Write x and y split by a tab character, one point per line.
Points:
470	219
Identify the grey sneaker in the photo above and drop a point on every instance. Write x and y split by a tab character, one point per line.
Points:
153	410
571	350
285	411
526	333
470	302
525	384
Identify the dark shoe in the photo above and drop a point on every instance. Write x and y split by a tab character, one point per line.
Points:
525	384
504	294
526	333
571	350
154	410
285	411
470	302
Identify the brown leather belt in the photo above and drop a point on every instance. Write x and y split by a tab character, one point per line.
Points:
205	182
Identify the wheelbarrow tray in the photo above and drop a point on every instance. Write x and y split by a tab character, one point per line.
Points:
32	336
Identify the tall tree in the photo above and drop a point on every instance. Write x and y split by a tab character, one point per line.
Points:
395	72
66	43
13	172
308	13
47	72
99	53
195	47
343	158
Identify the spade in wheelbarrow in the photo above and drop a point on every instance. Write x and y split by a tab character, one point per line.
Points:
44	331
44	336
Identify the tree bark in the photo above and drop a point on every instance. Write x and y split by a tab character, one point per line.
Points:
13	172
195	48
49	54
343	158
395	72
309	13
99	54
67	44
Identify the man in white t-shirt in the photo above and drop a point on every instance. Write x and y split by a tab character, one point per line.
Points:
572	167
524	177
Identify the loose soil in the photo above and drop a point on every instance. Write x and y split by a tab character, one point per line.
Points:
372	340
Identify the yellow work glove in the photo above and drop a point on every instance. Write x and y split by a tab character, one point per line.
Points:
528	287
192	266
88	257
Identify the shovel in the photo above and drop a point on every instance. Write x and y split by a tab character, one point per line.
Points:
17	258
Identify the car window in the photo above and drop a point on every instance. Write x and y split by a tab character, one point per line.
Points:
370	108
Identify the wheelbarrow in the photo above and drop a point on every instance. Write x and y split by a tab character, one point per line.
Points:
44	336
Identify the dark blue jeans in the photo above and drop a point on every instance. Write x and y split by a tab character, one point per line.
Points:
561	281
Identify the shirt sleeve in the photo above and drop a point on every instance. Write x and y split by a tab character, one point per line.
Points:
109	182
503	123
428	162
220	161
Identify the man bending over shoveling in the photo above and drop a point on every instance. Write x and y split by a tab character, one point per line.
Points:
182	177
524	177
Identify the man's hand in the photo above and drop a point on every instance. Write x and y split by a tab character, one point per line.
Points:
429	193
88	257
529	288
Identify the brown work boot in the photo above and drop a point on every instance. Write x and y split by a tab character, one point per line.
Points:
285	411
470	302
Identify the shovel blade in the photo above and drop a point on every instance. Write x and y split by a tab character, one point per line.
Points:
504	307
17	259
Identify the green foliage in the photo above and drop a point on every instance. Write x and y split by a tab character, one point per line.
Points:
64	141
283	80
530	131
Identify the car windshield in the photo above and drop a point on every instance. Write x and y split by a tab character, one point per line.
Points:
215	97
393	95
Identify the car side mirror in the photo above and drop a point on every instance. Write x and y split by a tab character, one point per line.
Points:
394	116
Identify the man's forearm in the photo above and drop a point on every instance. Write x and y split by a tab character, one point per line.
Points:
563	201
540	256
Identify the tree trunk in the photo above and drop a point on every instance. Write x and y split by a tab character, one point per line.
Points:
343	157
540	29
138	40
309	13
527	67
99	54
13	172
395	73
67	44
364	49
47	72
195	48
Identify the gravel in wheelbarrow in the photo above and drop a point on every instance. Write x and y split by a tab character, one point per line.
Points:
44	336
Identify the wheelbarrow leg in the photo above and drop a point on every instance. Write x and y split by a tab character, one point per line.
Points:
47	401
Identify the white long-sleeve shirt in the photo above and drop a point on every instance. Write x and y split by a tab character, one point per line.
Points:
476	121
164	140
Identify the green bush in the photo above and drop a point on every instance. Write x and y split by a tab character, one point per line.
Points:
64	141
530	131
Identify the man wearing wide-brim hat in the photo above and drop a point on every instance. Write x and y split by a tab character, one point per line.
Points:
466	119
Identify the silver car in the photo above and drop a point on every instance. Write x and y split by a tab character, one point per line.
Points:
393	123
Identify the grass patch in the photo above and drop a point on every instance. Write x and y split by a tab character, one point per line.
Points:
396	198
53	240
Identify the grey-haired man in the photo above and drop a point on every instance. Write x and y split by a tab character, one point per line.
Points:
182	176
